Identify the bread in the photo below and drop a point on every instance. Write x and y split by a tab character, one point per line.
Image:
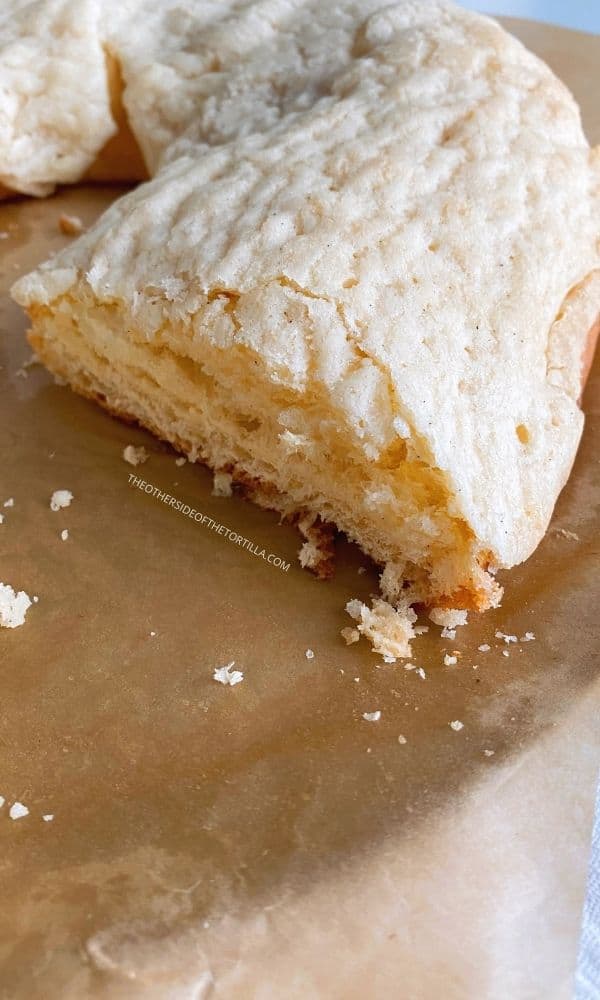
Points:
360	282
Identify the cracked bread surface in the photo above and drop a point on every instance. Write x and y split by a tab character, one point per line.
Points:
363	274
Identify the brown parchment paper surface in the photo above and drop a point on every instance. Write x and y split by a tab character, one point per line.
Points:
263	840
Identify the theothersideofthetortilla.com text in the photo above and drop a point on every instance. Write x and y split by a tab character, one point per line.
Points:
207	522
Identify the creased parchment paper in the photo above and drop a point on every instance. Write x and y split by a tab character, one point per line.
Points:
264	840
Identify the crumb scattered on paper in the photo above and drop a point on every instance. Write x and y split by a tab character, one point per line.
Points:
350	635
388	629
505	652
309	654
64	534
567	534
457	725
1	518
372	716
421	629
402	739
225	675
448	633
13	606
60	499
18	811
181	460
448	617
449	661
135	456
489	753
48	817
484	648
23	371
528	637
70	225
9	503
2	801
421	673
222	485
505	637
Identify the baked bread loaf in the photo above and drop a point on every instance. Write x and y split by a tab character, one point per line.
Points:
361	279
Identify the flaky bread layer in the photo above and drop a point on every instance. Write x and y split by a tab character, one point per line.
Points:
293	449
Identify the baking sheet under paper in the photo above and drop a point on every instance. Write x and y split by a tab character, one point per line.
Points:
263	840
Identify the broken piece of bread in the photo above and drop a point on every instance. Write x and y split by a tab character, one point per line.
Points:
361	280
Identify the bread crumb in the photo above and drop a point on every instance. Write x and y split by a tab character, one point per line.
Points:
361	570
70	225
350	635
528	637
484	648
505	652
449	661
153	633
135	456
9	503
48	817
389	629
222	485
35	598
60	499
402	739
448	633
456	725
2	801
504	636
567	534
449	617
13	606
489	753
181	460
372	716
409	666
1	518
309	654
421	673
64	534
421	629
18	811
225	675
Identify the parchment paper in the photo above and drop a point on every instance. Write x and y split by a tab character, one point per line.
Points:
263	840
